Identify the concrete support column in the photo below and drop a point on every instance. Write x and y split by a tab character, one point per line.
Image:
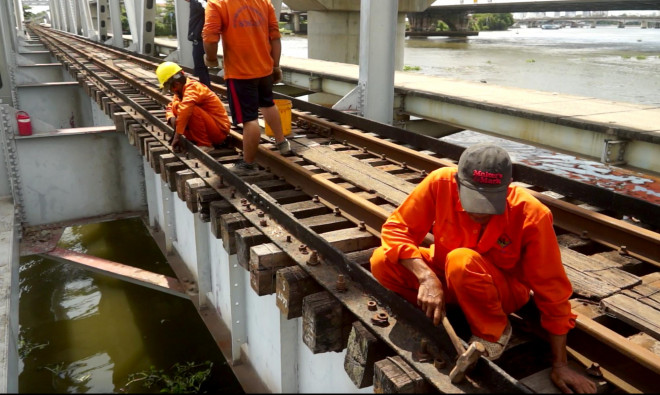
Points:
334	36
131	15
54	14
378	23
296	22
203	253
86	20
102	16
70	10
147	26
18	15
7	54
115	19
238	286
183	55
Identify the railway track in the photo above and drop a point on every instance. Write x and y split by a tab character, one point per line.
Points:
320	212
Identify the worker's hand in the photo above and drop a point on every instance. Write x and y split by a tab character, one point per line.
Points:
430	297
211	63
277	75
176	142
570	381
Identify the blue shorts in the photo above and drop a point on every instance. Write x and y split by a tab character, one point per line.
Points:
247	96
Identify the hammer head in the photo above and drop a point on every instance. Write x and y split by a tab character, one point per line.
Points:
466	361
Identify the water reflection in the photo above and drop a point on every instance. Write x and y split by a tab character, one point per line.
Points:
84	332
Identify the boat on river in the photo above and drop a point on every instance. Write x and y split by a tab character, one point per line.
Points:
550	26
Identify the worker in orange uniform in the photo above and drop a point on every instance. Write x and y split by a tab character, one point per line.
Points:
195	111
493	244
251	56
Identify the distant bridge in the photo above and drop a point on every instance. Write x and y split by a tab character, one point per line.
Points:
487	6
456	15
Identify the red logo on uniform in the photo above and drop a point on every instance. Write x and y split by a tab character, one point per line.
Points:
503	241
484	177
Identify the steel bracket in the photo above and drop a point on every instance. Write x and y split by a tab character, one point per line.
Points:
613	152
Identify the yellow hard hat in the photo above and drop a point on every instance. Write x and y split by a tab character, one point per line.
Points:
165	71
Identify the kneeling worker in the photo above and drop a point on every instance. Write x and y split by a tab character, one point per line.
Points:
195	111
493	244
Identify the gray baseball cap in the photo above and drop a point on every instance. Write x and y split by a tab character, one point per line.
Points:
484	175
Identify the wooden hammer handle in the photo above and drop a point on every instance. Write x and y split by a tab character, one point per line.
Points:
456	341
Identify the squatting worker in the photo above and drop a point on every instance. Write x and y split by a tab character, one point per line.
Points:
493	244
251	55
195	111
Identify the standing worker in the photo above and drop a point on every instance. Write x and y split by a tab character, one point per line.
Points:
493	244
195	111
195	26
251	48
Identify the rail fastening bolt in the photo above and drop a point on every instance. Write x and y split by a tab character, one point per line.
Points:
260	214
371	305
594	370
341	283
313	259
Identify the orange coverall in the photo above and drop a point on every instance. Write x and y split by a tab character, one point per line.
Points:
200	115
488	276
246	55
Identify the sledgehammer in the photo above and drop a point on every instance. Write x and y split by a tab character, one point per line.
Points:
466	358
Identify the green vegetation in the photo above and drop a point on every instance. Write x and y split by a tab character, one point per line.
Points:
625	56
491	22
441	26
411	68
531	61
640	57
165	19
26	347
187	378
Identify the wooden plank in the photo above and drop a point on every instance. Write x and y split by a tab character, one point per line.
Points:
589	287
190	187
645	294
216	209
181	178
364	349
352	239
204	197
615	257
633	312
144	143
541	383
265	260
273	185
586	308
588	268
393	375
326	223
573	241
306	209
245	239
362	257
230	223
388	186
163	160
292	284
170	173
154	157
324	322
644	340
289	196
